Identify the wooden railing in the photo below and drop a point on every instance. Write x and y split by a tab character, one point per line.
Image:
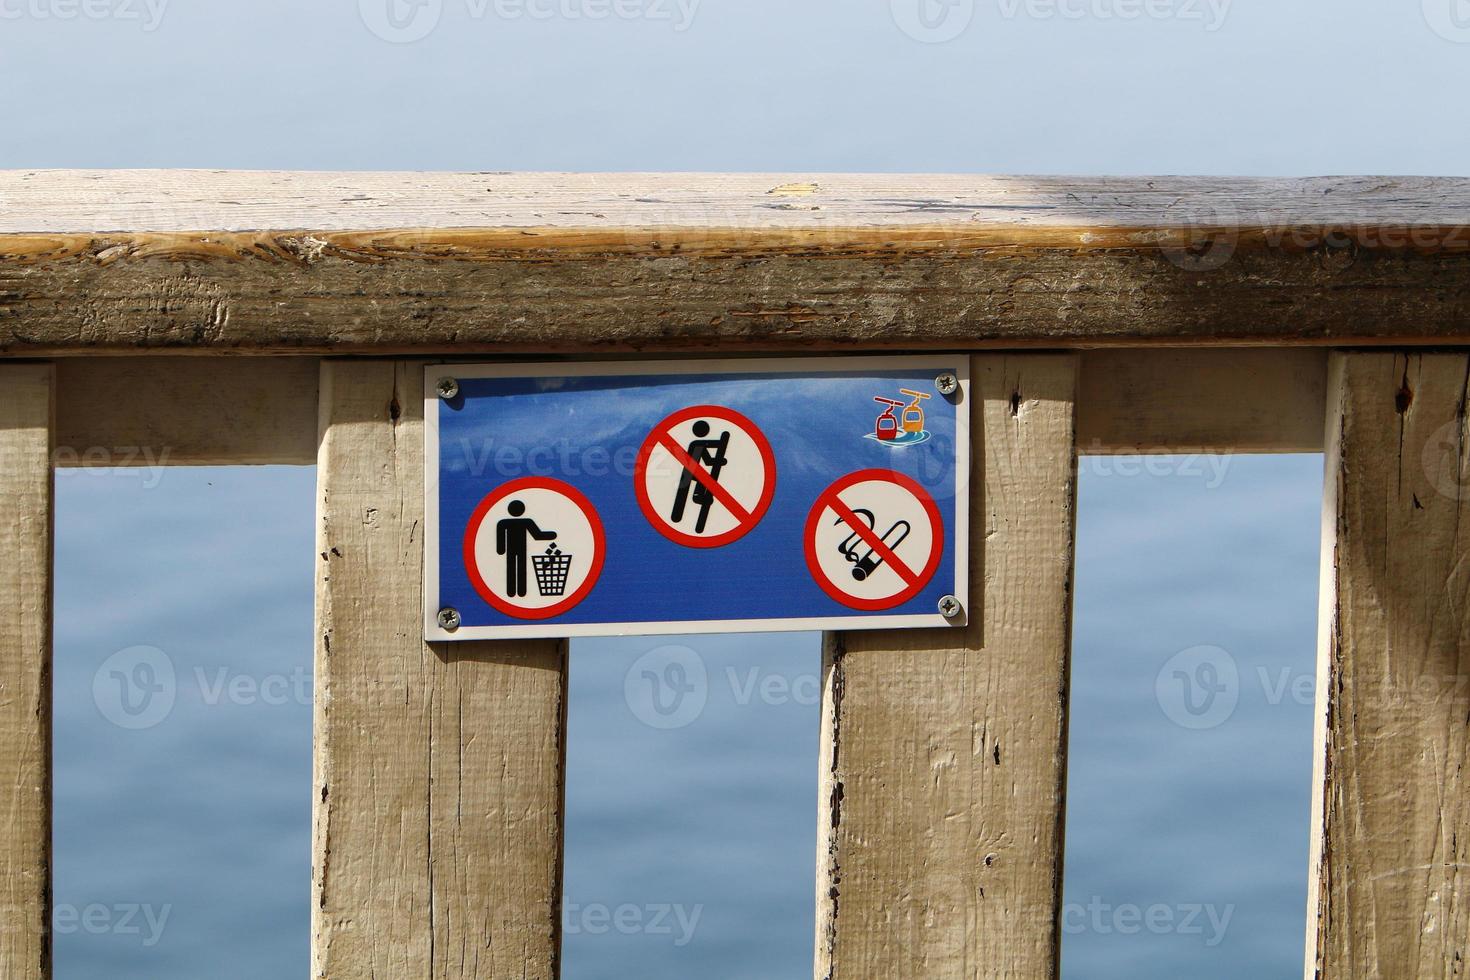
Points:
1102	316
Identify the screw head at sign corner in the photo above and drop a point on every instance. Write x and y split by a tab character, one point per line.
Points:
950	607
948	383
447	388
449	619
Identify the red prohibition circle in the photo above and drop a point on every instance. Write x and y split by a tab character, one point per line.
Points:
814	521
472	532
660	431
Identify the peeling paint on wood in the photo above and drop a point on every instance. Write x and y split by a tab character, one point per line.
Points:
943	765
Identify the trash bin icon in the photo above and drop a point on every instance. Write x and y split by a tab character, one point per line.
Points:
551	571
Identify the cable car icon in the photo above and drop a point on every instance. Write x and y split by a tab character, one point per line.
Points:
852	546
909	430
913	416
886	429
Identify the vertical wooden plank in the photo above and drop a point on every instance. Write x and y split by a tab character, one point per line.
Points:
438	799
944	752
26	434
1390	895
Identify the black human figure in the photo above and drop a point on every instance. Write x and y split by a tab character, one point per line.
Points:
510	541
710	452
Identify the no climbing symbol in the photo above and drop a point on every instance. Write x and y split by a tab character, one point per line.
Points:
705	476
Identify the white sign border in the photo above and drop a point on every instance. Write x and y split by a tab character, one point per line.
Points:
958	537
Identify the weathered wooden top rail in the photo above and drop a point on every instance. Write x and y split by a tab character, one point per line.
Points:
222	262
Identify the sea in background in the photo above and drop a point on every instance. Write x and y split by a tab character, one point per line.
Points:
1189	772
183	835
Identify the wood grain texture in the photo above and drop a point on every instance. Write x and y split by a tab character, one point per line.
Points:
25	679
84	202
1390	898
438	800
944	752
206	411
184	261
1248	400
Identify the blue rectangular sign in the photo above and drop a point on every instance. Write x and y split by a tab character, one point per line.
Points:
618	498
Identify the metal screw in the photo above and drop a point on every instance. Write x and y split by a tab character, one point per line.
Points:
947	383
447	388
950	608
449	619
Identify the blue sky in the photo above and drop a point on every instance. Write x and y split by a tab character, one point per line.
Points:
180	845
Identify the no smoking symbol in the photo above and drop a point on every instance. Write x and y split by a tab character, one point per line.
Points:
873	540
705	476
